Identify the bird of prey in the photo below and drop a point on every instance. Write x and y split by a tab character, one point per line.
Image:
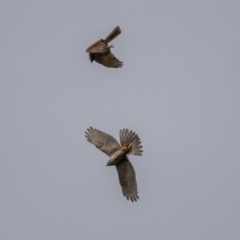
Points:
129	144
100	51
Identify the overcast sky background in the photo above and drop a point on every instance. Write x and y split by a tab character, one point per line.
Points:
179	90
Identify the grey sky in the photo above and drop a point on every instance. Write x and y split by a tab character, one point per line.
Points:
179	89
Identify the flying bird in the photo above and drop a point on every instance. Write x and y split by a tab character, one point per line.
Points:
129	144
100	51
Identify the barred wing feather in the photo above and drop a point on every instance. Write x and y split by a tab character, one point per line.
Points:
127	179
103	141
108	60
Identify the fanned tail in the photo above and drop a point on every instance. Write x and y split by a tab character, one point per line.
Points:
112	35
130	137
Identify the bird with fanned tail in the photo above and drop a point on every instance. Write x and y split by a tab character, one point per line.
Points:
129	144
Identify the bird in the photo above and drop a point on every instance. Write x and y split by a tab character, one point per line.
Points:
129	144
100	51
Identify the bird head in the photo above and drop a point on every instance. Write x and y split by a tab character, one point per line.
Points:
91	57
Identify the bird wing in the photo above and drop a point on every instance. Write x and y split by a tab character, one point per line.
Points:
108	60
127	137
98	47
102	141
116	31
127	179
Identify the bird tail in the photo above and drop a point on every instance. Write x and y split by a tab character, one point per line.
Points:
116	31
130	137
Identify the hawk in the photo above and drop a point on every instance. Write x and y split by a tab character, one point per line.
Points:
100	51
129	144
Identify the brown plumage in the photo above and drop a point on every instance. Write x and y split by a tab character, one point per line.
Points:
100	51
130	144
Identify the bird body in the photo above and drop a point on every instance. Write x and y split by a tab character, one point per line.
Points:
130	144
119	156
100	51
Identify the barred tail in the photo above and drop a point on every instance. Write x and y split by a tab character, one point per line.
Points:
127	137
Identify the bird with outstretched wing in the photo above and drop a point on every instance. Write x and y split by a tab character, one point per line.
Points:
130	144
